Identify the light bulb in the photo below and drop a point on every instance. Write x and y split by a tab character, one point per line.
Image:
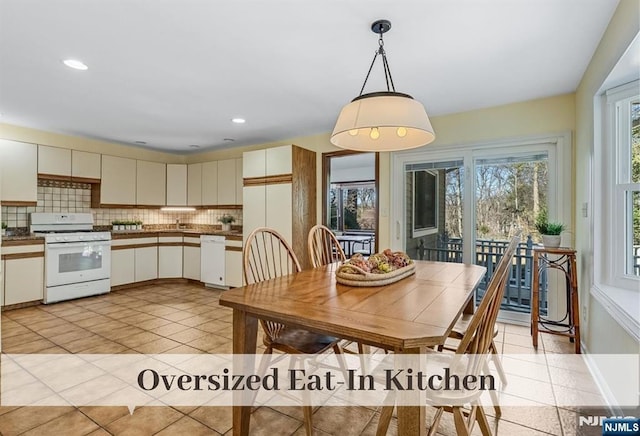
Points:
353	132
402	132
375	133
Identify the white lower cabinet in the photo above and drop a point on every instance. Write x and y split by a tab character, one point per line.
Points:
146	263
191	258
23	280
233	263
169	262
122	266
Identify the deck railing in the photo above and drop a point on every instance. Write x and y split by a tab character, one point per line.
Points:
517	295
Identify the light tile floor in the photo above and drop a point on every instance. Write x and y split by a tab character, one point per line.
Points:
184	318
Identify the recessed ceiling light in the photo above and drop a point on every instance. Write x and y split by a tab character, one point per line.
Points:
194	146
75	64
140	142
239	120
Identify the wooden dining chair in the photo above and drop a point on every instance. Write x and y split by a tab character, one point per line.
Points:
476	343
461	326
266	255
323	246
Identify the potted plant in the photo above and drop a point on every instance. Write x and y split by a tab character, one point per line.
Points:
138	224
550	231
115	224
4	229
226	221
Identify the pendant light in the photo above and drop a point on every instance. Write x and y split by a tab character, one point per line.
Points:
385	120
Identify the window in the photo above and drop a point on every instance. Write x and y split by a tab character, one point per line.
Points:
425	202
352	206
622	187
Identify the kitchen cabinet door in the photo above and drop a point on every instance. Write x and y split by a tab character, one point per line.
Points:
85	165
278	160
176	184
122	266
227	182
118	186
169	262
151	183
239	181
19	173
253	163
210	183
194	184
191	263
146	263
233	268
23	280
54	161
279	209
254	196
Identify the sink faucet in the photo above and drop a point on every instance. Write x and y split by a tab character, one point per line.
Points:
178	224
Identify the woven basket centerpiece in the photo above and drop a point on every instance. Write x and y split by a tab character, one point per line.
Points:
378	270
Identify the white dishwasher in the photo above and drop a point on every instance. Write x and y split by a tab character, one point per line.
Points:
212	260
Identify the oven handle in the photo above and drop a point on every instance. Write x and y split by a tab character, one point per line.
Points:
66	245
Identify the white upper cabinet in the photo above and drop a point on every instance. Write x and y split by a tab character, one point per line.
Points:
278	160
227	182
19	172
194	184
210	183
85	164
253	164
176	184
151	183
54	161
269	162
118	181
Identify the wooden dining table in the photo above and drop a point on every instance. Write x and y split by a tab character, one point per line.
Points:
406	316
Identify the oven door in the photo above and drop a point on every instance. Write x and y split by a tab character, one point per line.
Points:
77	262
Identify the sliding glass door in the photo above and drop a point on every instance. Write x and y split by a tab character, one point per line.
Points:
464	204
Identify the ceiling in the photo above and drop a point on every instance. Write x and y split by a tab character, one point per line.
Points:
173	73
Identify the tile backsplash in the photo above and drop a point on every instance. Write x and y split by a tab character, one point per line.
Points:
54	196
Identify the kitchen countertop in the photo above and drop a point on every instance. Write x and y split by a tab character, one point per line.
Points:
21	239
233	234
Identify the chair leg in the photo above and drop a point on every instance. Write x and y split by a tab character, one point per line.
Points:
308	423
385	419
436	422
461	425
495	356
264	364
363	351
482	421
492	393
341	362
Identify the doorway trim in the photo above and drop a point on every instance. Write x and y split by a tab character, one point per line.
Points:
326	177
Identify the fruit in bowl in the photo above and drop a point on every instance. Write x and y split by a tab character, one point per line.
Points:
379	263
